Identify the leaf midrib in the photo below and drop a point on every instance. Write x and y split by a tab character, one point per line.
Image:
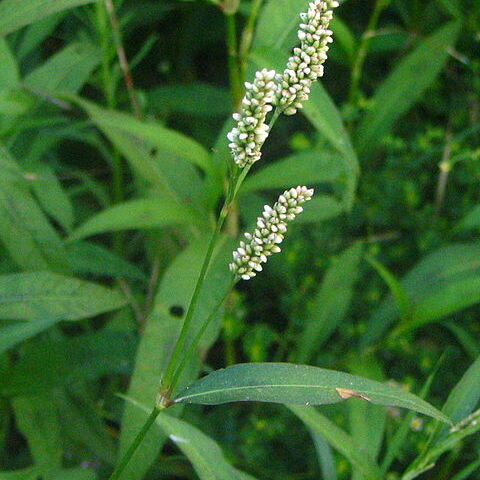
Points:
256	387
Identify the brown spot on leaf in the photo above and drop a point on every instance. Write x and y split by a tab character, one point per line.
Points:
345	394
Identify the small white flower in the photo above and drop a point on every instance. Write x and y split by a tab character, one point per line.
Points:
251	131
305	66
271	227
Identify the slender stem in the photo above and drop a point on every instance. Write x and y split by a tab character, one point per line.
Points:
236	87
136	443
107	79
247	35
193	344
166	386
363	50
122	58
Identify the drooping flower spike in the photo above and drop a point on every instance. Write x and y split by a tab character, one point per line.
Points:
251	131
305	66
270	232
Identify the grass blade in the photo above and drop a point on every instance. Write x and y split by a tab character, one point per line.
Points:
404	87
339	440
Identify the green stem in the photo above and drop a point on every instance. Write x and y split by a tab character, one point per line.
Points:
136	443
109	88
179	358
236	87
247	35
107	78
167	381
122	58
357	68
193	344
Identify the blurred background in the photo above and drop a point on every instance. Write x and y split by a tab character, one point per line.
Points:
114	158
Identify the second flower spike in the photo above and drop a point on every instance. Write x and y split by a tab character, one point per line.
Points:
270	231
251	131
305	66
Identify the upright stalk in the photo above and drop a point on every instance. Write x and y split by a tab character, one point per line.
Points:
106	16
247	35
357	67
136	443
193	344
169	378
236	87
122	58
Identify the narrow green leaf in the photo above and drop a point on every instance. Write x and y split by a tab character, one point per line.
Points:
278	24
305	168
30	296
325	456
86	257
162	138
24	230
344	38
36	33
12	335
393	284
367	421
466	473
14	14
465	338
465	396
161	331
434	288
50	193
339	440
204	453
66	71
297	385
330	304
325	117
144	213
452	298
404	87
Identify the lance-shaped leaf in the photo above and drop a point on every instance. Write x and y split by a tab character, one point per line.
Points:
36	295
297	385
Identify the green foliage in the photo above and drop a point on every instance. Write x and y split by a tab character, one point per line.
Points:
114	163
296	385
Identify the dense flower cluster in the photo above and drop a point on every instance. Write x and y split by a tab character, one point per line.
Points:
305	66
270	231
251	131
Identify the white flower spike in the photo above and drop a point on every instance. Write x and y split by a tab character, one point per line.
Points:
251	131
270	231
305	66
